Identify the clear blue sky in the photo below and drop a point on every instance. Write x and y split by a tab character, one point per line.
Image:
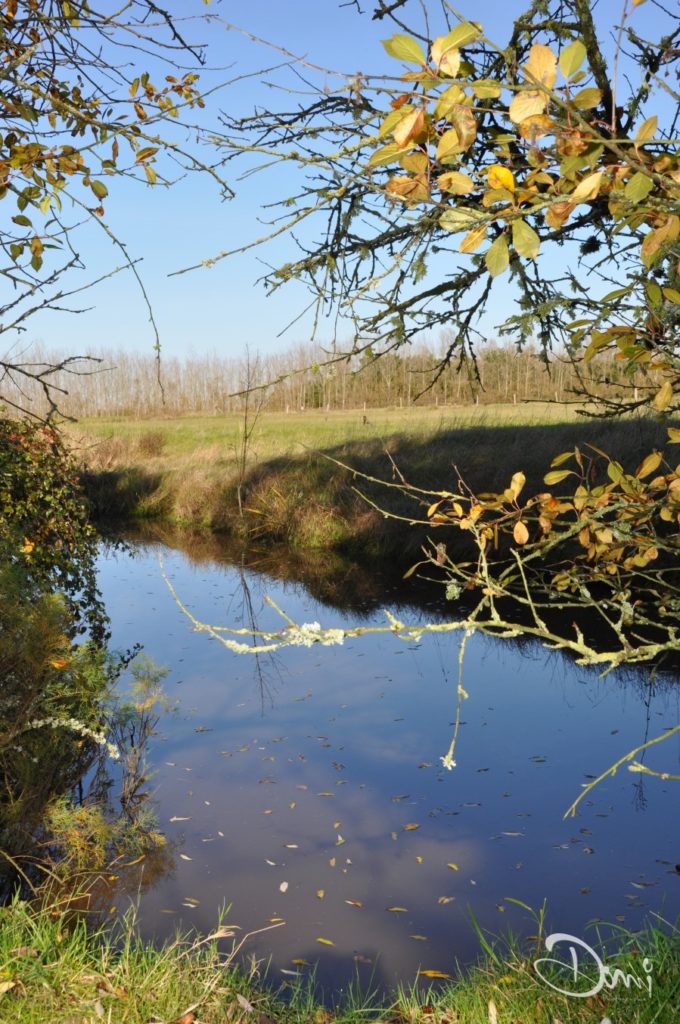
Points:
222	309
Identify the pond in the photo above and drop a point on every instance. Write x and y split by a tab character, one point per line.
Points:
304	790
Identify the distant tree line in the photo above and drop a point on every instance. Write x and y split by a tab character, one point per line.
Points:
118	383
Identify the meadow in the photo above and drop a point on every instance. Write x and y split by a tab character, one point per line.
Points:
311	480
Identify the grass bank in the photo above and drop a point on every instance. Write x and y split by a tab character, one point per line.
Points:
52	968
186	471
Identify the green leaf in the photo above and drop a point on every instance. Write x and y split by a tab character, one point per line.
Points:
562	457
463	34
486	89
405	48
497	257
572	57
556	476
22	220
525	239
638	188
386	155
459	218
672	295
99	189
588	98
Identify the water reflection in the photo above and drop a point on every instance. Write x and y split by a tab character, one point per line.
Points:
307	787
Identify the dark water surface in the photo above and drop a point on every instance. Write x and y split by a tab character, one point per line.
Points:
310	767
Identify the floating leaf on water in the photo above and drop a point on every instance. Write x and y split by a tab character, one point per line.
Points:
419	938
268	810
445	899
398	799
272	863
332	862
339	841
410	826
294	974
300	962
326	942
267	781
292	846
454	867
276	920
292	805
433	974
325	794
185	856
397	910
320	893
393	835
175	818
419	859
283	887
337	824
354	903
221	834
588	849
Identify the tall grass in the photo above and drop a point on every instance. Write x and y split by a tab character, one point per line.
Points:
293	493
52	968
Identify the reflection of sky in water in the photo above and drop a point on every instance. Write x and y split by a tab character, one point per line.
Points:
323	755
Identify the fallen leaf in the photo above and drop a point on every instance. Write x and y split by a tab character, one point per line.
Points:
445	899
244	1003
433	974
326	942
184	856
320	893
397	910
419	938
6	986
411	826
454	867
283	887
419	858
354	903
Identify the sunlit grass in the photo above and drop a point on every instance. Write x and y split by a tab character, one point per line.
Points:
53	969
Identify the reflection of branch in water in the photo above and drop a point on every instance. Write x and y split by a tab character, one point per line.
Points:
248	616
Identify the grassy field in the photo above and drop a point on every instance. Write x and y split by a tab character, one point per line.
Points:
279	434
186	470
53	969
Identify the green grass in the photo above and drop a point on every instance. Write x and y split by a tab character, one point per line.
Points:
53	969
185	470
279	434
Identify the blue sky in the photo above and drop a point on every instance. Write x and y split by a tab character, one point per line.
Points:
223	309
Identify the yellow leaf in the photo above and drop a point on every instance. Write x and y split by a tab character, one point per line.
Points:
663	397
326	942
501	177
517	484
27	546
58	662
454	867
473	239
647	130
542	65
411	826
456	182
397	910
527	104
649	465
493	1013
419	859
320	893
433	974
520	533
6	986
409	128
673	435
587	188
572	57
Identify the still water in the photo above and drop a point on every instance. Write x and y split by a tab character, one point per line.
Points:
305	789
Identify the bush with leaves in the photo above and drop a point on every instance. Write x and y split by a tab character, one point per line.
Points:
44	525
